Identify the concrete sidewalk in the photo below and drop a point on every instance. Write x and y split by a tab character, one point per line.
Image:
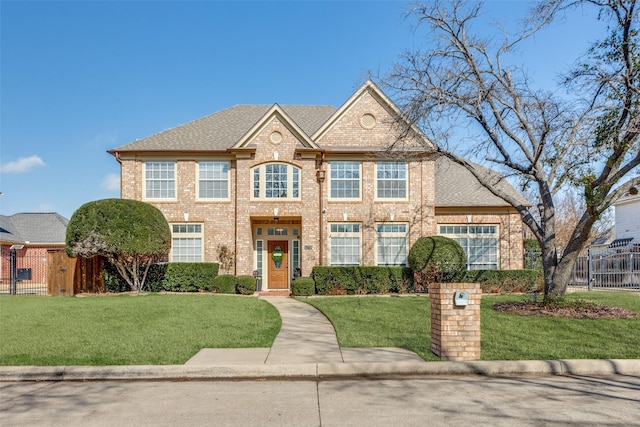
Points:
306	337
307	348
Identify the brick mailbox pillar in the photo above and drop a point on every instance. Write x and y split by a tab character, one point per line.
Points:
455	320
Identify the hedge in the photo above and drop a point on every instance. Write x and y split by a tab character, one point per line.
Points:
303	286
189	276
504	281
360	280
246	285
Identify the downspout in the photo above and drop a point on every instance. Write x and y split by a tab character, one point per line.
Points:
235	218
320	176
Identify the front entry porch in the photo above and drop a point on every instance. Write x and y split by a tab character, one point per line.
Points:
276	247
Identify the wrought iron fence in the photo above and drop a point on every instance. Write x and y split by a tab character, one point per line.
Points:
23	271
608	267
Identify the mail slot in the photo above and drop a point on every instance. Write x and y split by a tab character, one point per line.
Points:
461	299
24	274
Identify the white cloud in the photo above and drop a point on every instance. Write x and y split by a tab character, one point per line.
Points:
111	182
23	164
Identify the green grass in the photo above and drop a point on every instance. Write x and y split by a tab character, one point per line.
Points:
404	322
129	329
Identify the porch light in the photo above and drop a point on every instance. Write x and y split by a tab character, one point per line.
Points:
321	175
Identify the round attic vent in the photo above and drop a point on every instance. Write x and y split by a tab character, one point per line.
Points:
368	121
275	137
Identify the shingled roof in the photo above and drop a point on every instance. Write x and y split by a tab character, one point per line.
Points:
457	187
33	228
220	131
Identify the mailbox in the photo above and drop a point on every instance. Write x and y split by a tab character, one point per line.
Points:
461	299
24	274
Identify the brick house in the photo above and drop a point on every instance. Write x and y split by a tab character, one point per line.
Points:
286	188
34	234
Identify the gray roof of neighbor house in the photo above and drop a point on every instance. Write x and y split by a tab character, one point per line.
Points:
221	130
457	187
33	228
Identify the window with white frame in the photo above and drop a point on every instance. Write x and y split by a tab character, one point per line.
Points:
391	244
345	244
160	180
186	243
276	181
213	180
344	178
259	255
480	243
391	180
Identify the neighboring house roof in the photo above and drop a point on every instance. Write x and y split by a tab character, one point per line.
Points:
33	228
222	130
457	187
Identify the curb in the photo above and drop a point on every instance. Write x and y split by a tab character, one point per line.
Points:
319	371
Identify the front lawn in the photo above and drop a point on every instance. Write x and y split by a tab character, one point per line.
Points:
154	329
405	322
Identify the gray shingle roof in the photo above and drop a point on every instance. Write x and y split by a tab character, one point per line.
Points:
223	129
35	228
457	187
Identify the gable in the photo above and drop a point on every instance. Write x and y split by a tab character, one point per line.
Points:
368	121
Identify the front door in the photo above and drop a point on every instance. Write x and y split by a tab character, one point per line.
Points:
278	259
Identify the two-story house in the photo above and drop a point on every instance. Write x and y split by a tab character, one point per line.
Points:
287	188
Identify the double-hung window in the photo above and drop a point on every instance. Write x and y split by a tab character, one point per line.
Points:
344	178
391	180
276	181
186	243
213	180
345	244
480	243
160	180
391	244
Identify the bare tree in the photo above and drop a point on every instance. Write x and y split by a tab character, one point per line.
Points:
546	142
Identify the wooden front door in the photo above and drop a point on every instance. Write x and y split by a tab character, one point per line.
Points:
278	260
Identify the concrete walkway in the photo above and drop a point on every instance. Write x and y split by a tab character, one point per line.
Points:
306	336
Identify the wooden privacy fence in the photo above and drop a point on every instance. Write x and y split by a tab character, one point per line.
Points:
70	276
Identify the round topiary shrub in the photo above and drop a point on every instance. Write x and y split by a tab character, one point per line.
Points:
437	259
303	286
225	284
246	285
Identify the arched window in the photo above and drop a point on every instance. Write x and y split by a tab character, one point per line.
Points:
276	181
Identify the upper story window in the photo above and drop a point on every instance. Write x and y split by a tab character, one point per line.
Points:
391	180
160	180
276	181
213	180
344	178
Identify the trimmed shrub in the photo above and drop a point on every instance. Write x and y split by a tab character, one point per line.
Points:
130	234
505	281
303	286
112	280
246	285
437	259
189	276
225	284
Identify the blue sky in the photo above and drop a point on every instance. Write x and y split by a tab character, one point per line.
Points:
79	78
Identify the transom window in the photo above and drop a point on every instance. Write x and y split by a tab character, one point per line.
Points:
391	244
160	180
213	180
186	243
344	180
345	244
276	181
480	243
391	180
